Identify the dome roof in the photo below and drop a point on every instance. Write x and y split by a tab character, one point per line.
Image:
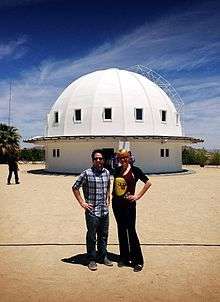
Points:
113	102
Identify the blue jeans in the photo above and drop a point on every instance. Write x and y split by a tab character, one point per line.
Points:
97	227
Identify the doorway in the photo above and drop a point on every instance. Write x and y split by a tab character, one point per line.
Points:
108	154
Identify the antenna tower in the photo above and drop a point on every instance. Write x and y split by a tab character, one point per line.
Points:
9	107
162	83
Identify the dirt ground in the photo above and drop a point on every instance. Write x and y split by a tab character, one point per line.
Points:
42	241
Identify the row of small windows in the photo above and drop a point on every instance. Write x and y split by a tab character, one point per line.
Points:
107	115
163	153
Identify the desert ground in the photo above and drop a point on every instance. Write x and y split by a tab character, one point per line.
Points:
42	241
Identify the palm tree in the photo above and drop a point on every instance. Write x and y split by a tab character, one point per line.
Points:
9	140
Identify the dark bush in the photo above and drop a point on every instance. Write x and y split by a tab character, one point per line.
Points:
33	154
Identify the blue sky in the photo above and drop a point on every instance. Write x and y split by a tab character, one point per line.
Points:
45	45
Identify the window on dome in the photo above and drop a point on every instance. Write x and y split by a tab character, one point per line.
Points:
161	152
77	116
139	114
163	115
107	114
167	152
56	117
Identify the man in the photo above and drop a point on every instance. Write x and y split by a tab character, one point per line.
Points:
95	183
12	167
132	158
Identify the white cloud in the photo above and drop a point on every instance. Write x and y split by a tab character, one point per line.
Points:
202	120
13	49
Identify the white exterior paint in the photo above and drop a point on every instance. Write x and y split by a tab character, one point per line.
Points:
147	155
121	90
75	156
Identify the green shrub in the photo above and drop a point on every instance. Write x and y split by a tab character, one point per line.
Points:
215	159
191	156
32	154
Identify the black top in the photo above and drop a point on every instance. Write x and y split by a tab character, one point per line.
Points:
125	184
12	163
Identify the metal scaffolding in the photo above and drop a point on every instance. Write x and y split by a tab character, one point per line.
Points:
162	83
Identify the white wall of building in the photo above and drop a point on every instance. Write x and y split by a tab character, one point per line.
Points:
75	156
148	157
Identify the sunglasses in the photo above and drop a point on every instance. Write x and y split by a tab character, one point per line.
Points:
98	158
123	157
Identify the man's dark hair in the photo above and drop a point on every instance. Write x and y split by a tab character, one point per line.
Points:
96	151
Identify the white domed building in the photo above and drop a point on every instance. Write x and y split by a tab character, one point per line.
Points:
110	109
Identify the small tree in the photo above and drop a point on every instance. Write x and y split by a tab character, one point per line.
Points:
32	154
202	157
215	159
9	141
189	156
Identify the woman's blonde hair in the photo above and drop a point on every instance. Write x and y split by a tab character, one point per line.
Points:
122	152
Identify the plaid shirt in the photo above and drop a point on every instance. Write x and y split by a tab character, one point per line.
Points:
95	185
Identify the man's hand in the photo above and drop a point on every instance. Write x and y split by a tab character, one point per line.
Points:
81	201
86	206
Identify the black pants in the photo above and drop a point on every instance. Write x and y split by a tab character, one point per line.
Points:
125	215
10	175
96	227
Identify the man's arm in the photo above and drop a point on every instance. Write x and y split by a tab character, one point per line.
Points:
80	200
76	191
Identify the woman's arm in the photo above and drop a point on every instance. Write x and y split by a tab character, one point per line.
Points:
137	196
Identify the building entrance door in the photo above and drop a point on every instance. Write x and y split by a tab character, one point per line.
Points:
108	154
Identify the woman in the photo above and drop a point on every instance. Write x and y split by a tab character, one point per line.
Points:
124	208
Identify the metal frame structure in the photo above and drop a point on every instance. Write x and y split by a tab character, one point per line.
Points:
162	83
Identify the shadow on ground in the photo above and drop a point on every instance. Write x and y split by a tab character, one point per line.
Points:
44	172
83	260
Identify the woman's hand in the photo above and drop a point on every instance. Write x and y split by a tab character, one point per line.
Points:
132	198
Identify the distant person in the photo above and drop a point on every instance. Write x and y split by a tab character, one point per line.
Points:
132	158
95	183
13	168
114	161
124	208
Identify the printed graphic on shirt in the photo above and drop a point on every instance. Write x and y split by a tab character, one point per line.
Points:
120	186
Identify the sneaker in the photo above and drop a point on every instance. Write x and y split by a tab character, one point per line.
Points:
138	267
107	262
92	266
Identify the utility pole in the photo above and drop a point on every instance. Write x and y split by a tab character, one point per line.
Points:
9	107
